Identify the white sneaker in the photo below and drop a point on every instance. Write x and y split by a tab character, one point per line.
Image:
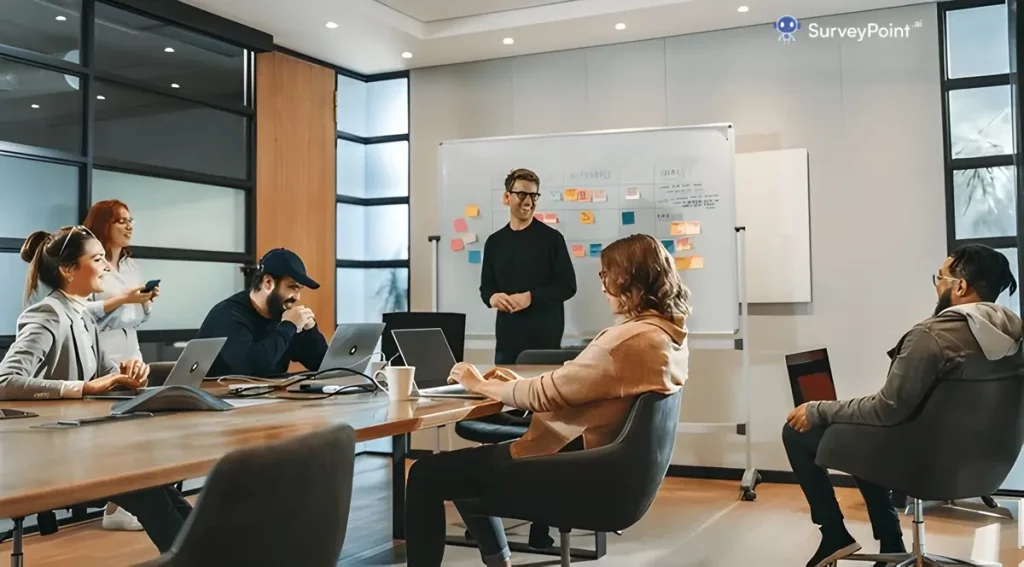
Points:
121	521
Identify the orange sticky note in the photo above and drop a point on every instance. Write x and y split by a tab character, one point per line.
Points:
571	194
578	251
472	211
583	196
457	245
684	244
685	228
586	217
690	263
460	225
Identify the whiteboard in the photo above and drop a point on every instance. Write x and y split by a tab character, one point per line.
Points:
653	181
772	203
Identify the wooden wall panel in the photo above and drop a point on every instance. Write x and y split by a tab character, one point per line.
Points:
295	171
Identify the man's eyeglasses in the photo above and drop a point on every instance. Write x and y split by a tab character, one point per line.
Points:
523	195
936	278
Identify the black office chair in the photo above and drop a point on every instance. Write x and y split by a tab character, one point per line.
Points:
961	443
284	503
569	490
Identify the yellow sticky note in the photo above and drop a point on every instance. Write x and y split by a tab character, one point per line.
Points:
586	217
690	263
472	211
571	194
578	251
685	228
583	196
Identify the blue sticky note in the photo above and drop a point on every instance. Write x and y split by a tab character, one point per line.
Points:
474	256
628	217
595	249
669	245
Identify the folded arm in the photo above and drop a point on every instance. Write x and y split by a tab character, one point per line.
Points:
246	355
911	376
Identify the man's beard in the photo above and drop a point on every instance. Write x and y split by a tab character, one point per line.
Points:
945	301
276	304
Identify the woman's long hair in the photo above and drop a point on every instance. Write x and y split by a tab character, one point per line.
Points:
46	253
100	219
641	274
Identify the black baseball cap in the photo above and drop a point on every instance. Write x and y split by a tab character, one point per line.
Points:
281	262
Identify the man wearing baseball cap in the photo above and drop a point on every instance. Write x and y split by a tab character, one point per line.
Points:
266	327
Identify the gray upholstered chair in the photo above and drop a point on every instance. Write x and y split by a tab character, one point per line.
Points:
284	503
570	490
960	443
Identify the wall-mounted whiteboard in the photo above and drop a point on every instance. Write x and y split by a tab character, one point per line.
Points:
677	184
772	202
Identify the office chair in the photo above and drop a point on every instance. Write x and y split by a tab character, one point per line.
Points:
961	443
307	481
570	490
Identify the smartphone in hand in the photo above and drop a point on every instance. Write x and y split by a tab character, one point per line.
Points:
150	285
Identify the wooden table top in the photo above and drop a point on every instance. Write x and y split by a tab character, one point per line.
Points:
43	469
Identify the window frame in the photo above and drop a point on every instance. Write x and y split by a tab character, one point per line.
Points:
951	164
180	16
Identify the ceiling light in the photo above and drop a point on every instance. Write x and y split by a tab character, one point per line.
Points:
168	50
35	106
61	19
175	85
508	41
332	25
101	97
620	26
743	9
406	55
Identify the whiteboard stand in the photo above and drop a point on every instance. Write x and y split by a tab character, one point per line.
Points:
751	478
433	239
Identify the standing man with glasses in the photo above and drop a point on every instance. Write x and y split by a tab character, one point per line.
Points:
527	274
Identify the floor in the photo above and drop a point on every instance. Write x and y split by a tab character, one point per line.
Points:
693	523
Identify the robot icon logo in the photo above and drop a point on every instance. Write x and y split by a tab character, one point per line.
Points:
787	26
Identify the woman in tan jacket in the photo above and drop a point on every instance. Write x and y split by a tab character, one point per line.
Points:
588	398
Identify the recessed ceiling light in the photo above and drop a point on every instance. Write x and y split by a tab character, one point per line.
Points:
61	19
406	55
175	85
168	50
620	26
332	25
101	97
743	9
35	106
508	41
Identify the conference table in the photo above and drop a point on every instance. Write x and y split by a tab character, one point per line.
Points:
45	467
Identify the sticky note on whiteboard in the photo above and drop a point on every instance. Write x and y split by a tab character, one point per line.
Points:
685	228
472	211
669	245
628	217
690	263
550	218
600	196
555	195
583	196
633	193
571	194
457	245
469	238
595	249
684	244
460	225
586	217
578	251
475	256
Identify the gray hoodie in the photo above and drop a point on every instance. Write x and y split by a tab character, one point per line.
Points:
967	342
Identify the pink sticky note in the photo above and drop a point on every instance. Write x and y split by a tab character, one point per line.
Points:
457	245
460	225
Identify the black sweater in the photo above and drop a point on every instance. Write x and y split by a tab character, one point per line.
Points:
534	259
258	346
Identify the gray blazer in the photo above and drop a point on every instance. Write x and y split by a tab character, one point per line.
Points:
46	352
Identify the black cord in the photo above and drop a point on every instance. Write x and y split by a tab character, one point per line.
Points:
310	376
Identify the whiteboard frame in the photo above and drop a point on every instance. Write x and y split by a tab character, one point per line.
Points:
727	125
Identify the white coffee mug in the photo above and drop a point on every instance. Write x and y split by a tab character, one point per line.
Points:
400	380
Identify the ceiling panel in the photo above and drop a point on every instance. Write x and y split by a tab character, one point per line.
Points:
435	10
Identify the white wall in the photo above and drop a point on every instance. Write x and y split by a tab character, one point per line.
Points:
868	114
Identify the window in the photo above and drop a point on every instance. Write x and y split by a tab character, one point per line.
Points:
373	198
101	102
978	121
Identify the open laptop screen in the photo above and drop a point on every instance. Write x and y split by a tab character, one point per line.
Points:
427	350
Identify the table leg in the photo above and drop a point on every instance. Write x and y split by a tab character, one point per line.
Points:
399	452
16	553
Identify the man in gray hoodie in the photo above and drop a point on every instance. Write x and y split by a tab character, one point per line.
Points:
967	330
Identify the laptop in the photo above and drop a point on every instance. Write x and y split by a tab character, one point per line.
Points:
428	351
810	376
352	348
189	370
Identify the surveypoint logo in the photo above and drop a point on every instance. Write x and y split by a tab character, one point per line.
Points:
787	26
